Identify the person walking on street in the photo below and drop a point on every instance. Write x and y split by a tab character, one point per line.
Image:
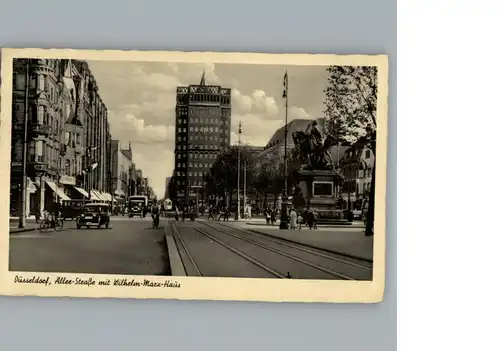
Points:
315	219
293	219
300	220
310	219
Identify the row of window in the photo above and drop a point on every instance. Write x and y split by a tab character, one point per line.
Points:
199	129
196	182
191	174
201	137
194	165
202	146
200	156
201	121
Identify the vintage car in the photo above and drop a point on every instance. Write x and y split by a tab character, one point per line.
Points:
94	214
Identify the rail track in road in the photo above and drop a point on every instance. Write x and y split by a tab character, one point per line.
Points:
276	257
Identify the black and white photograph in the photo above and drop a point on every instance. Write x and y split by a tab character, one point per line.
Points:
193	175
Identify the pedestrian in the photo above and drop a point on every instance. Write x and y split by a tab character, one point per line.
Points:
268	216
315	219
211	213
310	219
300	220
293	219
273	216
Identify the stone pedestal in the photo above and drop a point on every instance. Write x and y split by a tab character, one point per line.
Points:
318	191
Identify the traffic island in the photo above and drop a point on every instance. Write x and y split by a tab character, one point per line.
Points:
176	266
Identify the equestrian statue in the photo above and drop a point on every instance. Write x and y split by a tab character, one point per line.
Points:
312	150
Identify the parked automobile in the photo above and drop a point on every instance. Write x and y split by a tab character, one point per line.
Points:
356	214
94	215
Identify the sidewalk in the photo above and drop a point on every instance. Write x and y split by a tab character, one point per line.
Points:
347	242
14	223
261	223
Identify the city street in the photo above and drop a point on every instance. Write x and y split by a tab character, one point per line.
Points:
129	246
217	249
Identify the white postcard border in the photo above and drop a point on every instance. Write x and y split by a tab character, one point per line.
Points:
205	288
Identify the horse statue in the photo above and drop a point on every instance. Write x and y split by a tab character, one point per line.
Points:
318	158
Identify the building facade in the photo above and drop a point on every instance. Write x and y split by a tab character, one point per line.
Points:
50	96
357	167
94	114
203	131
121	164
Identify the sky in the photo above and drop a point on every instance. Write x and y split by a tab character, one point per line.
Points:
141	98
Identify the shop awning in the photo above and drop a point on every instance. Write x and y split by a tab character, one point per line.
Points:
57	190
94	196
107	196
81	191
101	196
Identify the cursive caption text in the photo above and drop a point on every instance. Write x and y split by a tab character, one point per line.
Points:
122	282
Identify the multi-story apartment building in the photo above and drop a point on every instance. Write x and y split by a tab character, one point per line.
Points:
51	95
120	171
357	167
94	115
203	130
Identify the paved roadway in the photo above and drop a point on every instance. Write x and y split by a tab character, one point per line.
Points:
211	248
129	246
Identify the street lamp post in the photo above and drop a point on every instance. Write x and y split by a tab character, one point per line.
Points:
284	202
23	192
244	187
237	216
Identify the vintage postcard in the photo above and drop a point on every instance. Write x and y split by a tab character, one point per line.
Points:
194	176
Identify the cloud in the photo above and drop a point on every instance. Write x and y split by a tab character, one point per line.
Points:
137	131
141	99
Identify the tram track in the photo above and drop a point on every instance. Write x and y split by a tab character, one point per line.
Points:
334	256
181	244
241	253
192	264
307	262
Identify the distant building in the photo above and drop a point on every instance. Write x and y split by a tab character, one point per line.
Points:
203	131
121	163
357	167
167	194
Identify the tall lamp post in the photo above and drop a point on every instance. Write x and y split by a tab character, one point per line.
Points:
237	216
284	202
244	188
22	212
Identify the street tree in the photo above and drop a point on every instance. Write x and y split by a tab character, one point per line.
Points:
222	179
351	111
269	178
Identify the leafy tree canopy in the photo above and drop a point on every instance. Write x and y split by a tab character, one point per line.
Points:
351	103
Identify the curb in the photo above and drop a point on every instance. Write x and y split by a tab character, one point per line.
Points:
24	230
356	257
341	226
175	261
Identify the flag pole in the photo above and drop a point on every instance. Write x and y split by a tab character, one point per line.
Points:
284	202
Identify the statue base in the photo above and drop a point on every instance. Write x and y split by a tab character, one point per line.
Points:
318	190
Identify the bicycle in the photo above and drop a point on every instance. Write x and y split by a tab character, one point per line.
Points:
51	223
